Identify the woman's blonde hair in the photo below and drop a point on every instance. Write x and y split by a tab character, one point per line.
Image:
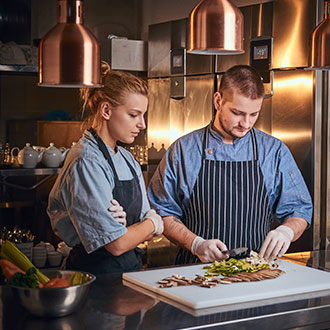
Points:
115	86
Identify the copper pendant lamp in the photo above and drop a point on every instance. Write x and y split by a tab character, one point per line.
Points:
319	57
216	27
70	55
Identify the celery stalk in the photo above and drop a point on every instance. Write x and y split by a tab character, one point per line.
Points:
3	255
10	252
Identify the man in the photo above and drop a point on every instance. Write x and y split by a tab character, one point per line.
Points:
218	187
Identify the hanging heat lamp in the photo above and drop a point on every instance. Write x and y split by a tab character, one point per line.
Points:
216	27
319	57
70	55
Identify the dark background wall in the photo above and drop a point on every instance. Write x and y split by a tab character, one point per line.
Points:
20	97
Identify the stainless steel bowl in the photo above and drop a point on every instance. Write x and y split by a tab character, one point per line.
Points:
53	302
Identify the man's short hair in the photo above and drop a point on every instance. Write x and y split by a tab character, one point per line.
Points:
245	79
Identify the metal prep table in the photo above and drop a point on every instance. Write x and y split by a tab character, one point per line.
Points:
111	305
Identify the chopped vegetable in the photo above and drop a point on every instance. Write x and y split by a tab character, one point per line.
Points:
232	266
78	278
28	280
56	283
10	252
255	259
9	269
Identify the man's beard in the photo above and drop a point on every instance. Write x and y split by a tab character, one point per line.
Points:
228	131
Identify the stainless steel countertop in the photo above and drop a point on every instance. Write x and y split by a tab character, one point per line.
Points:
8	172
111	305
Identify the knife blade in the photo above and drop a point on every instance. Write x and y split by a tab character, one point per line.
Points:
235	252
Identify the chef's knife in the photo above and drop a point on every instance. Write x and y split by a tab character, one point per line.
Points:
235	252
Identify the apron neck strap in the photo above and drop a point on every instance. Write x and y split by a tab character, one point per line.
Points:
254	144
107	156
205	140
104	151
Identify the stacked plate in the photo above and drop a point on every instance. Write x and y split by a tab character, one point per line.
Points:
39	256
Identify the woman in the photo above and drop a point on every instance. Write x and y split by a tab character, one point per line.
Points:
97	171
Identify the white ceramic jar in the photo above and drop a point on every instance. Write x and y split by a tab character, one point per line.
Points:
53	157
28	157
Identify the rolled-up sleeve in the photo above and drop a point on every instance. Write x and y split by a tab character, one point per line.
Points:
164	190
293	199
87	195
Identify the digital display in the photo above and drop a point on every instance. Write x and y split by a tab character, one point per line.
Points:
177	61
260	52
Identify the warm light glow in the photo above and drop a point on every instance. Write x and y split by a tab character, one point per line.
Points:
292	136
158	134
290	47
165	135
191	31
88	62
260	21
168	135
158	239
175	133
229	30
307	82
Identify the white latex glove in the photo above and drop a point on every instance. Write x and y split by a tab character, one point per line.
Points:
276	242
118	212
156	219
208	250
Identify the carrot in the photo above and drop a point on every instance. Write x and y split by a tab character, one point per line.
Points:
9	269
10	252
57	283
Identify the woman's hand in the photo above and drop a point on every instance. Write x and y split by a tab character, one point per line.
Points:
157	221
118	212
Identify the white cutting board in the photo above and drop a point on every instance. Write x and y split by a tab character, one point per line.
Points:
296	280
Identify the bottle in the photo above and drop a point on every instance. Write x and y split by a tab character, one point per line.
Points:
7	154
161	151
152	152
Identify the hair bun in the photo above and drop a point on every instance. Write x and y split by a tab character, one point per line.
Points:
105	68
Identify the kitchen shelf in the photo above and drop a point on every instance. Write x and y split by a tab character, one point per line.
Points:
18	68
5	172
10	172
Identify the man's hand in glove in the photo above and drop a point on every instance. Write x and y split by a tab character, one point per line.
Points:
277	242
208	250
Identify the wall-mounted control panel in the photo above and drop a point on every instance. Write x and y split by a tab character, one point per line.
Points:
178	73
178	61
261	52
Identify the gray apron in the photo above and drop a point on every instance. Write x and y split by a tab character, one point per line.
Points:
128	194
229	202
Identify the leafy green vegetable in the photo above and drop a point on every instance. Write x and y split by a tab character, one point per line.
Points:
10	252
28	280
232	266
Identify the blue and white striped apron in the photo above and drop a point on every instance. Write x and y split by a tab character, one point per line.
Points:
228	202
